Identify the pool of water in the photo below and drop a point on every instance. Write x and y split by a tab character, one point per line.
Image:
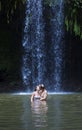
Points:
59	112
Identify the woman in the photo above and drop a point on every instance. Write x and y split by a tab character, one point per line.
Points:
36	94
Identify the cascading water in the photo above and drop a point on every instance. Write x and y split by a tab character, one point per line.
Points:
33	59
57	23
36	68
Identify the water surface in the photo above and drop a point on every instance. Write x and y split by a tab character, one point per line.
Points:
60	112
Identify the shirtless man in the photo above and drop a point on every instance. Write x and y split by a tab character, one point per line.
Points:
43	93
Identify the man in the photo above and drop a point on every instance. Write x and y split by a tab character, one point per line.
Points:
43	92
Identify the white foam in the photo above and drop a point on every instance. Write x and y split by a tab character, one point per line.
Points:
50	93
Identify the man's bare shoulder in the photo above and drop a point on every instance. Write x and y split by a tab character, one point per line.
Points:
46	91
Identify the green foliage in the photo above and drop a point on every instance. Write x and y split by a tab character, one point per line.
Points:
73	16
10	7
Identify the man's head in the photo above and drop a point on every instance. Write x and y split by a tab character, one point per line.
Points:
42	87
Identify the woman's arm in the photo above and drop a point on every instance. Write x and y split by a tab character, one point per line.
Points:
32	97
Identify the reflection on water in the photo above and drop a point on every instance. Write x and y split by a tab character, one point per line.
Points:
57	112
60	112
26	114
39	113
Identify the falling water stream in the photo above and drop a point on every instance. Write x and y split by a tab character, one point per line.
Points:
33	43
57	23
34	67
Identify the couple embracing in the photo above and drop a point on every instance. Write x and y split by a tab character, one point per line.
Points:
40	93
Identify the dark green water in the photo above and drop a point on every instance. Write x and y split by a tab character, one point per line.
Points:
60	112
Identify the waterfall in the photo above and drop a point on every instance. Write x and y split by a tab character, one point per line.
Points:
33	43
57	24
41	65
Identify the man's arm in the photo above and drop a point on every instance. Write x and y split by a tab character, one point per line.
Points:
44	97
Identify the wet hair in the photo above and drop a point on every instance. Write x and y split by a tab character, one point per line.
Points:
42	87
35	89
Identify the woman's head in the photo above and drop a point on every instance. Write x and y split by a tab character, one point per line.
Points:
38	88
